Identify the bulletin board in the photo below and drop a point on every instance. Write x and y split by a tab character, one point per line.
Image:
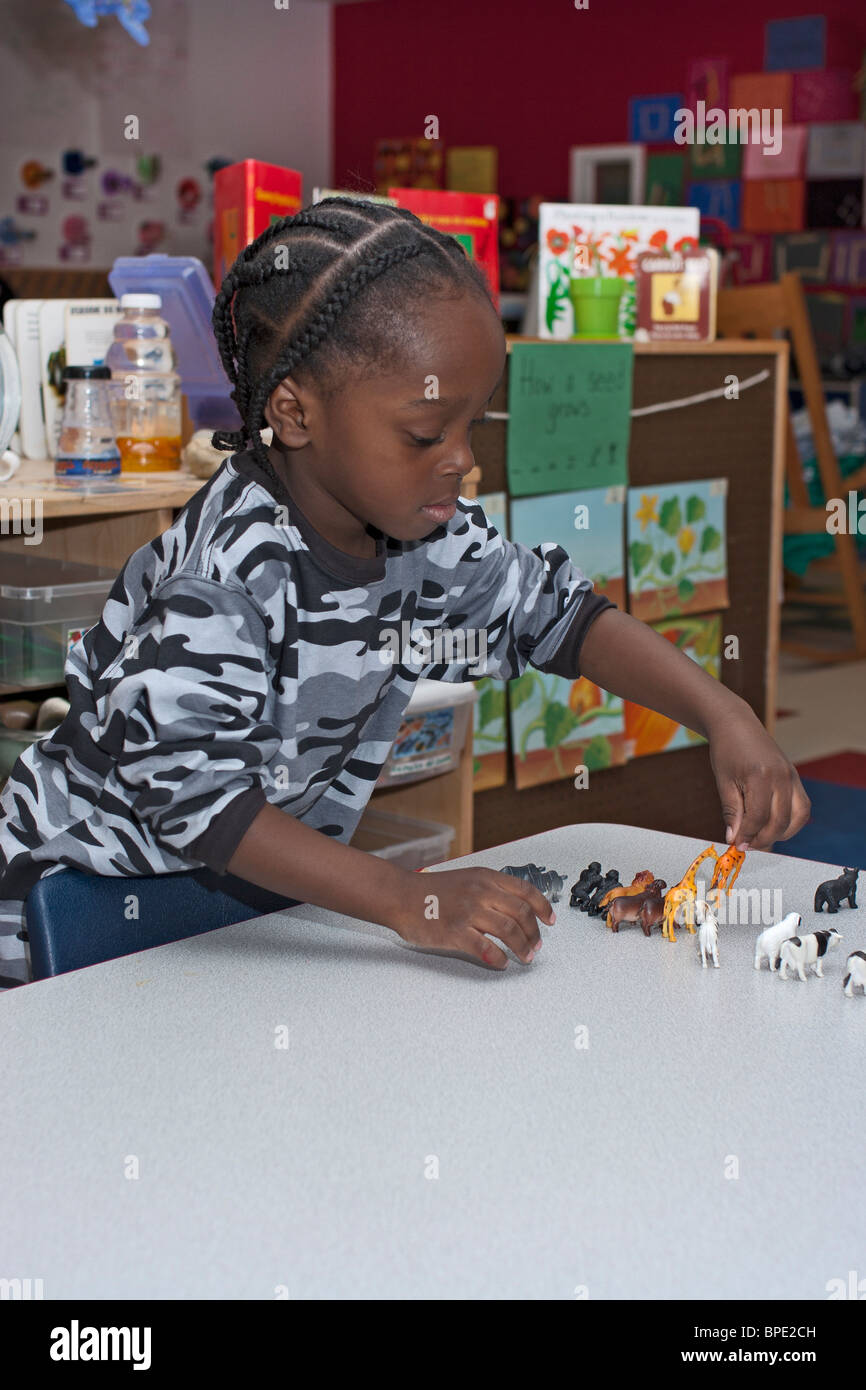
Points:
742	440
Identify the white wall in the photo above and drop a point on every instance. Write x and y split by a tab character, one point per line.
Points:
229	78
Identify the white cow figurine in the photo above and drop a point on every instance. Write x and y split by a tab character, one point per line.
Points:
855	967
799	952
708	933
770	941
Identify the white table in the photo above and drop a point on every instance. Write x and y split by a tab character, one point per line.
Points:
559	1168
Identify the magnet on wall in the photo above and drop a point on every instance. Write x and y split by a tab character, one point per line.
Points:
74	162
148	168
75	231
11	234
114	183
150	234
34	173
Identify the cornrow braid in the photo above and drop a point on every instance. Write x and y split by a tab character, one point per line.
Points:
309	312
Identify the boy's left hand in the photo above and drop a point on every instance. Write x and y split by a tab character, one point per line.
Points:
762	796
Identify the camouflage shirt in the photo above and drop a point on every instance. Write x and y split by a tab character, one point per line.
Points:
241	659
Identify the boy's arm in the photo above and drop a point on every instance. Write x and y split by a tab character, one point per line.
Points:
762	796
281	853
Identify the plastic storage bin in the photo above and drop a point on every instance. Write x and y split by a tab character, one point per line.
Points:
45	606
413	844
13	742
435	727
187	295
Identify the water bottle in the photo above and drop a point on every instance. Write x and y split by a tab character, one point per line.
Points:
146	406
87	447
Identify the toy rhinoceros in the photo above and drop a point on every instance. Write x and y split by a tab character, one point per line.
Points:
547	881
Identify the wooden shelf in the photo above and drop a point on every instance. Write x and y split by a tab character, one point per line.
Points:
35	480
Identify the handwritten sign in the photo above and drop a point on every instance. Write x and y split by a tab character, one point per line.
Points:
569	410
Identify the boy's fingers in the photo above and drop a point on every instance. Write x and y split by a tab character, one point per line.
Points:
514	922
518	887
757	800
485	950
777	820
732	810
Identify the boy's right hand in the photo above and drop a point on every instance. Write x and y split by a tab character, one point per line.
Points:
454	909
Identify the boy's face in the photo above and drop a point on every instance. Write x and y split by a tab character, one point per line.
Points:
392	451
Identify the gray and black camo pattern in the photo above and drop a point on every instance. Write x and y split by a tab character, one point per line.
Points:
235	660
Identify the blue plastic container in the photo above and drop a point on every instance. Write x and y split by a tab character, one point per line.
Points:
187	296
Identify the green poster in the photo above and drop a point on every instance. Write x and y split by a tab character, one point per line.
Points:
569	414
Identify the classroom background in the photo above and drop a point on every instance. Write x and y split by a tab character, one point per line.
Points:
152	135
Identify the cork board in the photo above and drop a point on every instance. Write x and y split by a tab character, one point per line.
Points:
673	792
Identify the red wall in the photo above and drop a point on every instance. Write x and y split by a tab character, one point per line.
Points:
534	77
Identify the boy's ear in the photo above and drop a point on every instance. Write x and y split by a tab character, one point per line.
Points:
285	415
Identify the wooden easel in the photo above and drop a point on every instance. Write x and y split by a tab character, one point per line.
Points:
766	311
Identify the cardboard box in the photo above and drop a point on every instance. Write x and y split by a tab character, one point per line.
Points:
248	197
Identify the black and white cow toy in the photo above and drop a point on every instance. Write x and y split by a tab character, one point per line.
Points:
855	968
800	952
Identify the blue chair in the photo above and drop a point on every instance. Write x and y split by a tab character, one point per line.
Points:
76	919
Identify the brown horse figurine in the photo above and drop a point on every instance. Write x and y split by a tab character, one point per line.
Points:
639	883
647	908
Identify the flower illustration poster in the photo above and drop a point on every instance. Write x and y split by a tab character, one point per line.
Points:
601	240
677	549
558	723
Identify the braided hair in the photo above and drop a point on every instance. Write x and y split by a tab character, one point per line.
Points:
297	300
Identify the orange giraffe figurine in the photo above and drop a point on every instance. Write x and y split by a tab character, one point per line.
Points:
726	871
683	895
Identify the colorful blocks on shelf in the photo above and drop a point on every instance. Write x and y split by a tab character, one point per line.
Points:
773	205
806	252
785	158
848	258
715	161
708	82
717	198
828	95
652	120
837	150
792	44
764	91
754	258
665	176
834	203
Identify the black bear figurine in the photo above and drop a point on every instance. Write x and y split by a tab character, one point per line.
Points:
836	891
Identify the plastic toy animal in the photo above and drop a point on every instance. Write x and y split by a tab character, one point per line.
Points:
640	881
582	890
856	973
836	891
611	879
708	933
645	908
592	871
727	869
683	895
769	943
799	952
547	881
